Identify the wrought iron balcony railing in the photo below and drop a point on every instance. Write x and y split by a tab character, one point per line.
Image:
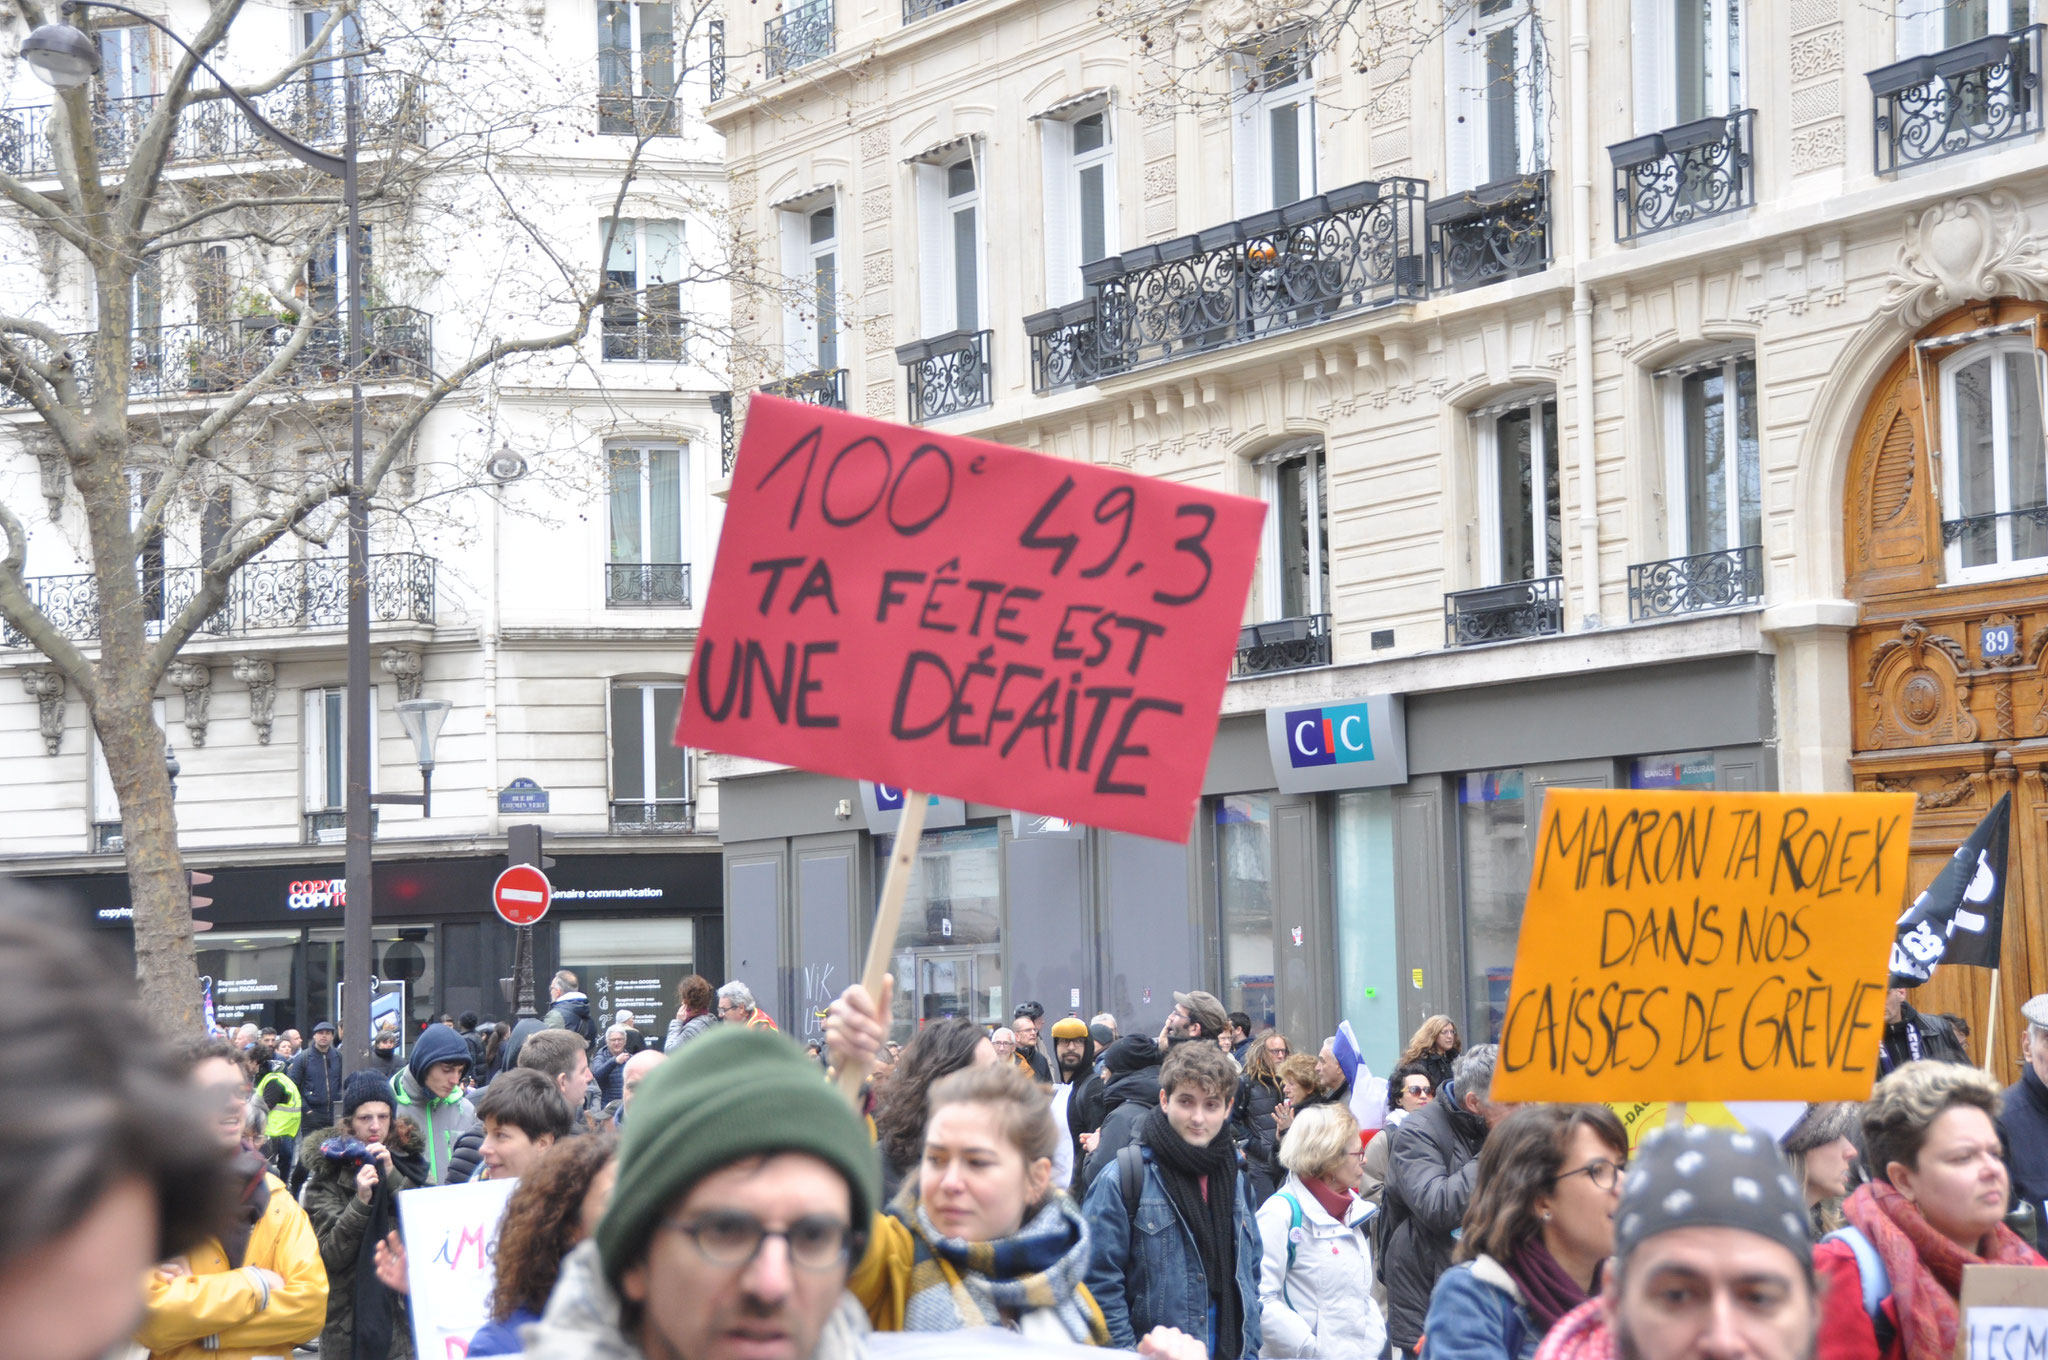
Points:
913	10
1282	645
1497	231
623	114
627	584
1728	579
197	357
330	827
389	108
654	816
797	37
721	406
1346	251
2025	529
948	374
306	593
714	57
1684	174
819	387
1945	103
1518	609
644	326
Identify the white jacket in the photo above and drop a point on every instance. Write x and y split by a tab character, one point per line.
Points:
1322	1307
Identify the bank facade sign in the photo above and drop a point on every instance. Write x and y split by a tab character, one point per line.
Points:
1354	744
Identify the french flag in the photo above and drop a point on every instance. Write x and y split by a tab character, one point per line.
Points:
1368	1093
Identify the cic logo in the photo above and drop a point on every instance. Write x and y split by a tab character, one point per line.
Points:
1339	735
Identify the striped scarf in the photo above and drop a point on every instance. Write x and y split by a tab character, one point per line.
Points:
955	1284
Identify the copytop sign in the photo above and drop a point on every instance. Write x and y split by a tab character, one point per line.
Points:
1359	744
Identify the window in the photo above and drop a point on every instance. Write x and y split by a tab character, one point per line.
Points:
1494	816
1080	201
1994	464
326	102
948	958
810	253
1688	61
1244	892
216	522
650	774
647	505
325	734
949	202
149	561
643	269
1495	81
633	965
1274	128
106	803
127	70
327	275
1931	25
1525	525
210	287
1710	420
1297	584
636	68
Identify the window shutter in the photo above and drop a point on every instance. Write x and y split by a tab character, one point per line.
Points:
1309	141
313	741
799	336
934	240
984	304
1534	106
1650	42
1247	191
1062	281
1464	103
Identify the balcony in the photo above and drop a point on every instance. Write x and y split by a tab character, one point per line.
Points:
331	827
819	387
214	130
797	37
948	374
1497	231
714	58
1945	103
1684	174
1699	584
644	326
1504	613
263	596
913	10
650	584
721	406
621	113
197	357
1999	536
653	816
1332	255
1282	645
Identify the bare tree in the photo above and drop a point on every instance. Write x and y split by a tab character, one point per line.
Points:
233	428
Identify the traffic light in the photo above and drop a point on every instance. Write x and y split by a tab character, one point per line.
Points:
522	846
193	878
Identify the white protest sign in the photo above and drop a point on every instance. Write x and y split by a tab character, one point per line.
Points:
2005	1313
451	1244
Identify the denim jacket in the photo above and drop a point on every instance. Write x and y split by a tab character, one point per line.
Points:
1476	1313
1146	1272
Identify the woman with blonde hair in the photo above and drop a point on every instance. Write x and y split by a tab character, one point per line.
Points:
1821	1150
1936	1204
1434	1048
1316	1271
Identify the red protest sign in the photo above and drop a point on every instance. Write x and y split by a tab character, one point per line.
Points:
959	617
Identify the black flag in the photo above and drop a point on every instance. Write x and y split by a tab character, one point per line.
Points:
1960	918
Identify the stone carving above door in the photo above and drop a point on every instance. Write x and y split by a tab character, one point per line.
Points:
1918	690
1964	250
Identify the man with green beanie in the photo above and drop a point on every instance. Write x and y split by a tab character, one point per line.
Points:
745	1188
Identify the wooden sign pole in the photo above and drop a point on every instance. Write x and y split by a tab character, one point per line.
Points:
1991	1025
888	912
1674	1114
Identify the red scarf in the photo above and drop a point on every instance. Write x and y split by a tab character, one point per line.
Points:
1580	1334
1926	1268
1336	1203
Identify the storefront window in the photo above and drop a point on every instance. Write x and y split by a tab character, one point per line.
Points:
249	975
1686	770
1493	819
402	962
949	956
1244	889
630	965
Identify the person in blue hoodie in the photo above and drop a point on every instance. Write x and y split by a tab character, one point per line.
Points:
428	1094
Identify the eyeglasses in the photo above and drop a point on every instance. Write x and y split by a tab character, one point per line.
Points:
732	1240
1421	1090
1602	1172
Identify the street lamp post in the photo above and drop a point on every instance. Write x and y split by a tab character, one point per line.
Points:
66	57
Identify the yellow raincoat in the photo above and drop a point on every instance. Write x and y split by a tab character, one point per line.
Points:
214	1301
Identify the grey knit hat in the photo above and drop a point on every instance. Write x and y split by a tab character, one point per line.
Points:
1822	1124
1702	1177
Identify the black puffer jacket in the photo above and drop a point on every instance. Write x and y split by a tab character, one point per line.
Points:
1433	1163
347	1229
1256	1101
1438	1065
1131	1093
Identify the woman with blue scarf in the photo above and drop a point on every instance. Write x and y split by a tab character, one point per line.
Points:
979	1238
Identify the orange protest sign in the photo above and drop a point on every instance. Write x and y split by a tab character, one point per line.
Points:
1704	946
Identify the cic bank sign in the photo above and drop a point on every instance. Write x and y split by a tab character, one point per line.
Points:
1358	744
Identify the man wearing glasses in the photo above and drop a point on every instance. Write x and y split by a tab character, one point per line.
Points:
736	1006
745	1189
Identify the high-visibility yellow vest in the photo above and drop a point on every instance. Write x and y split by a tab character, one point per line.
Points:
283	1120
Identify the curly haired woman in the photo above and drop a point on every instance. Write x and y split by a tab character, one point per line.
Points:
553	1209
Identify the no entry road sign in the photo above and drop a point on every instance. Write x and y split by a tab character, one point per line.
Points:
521	894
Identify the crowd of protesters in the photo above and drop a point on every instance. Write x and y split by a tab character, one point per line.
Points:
1202	1193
